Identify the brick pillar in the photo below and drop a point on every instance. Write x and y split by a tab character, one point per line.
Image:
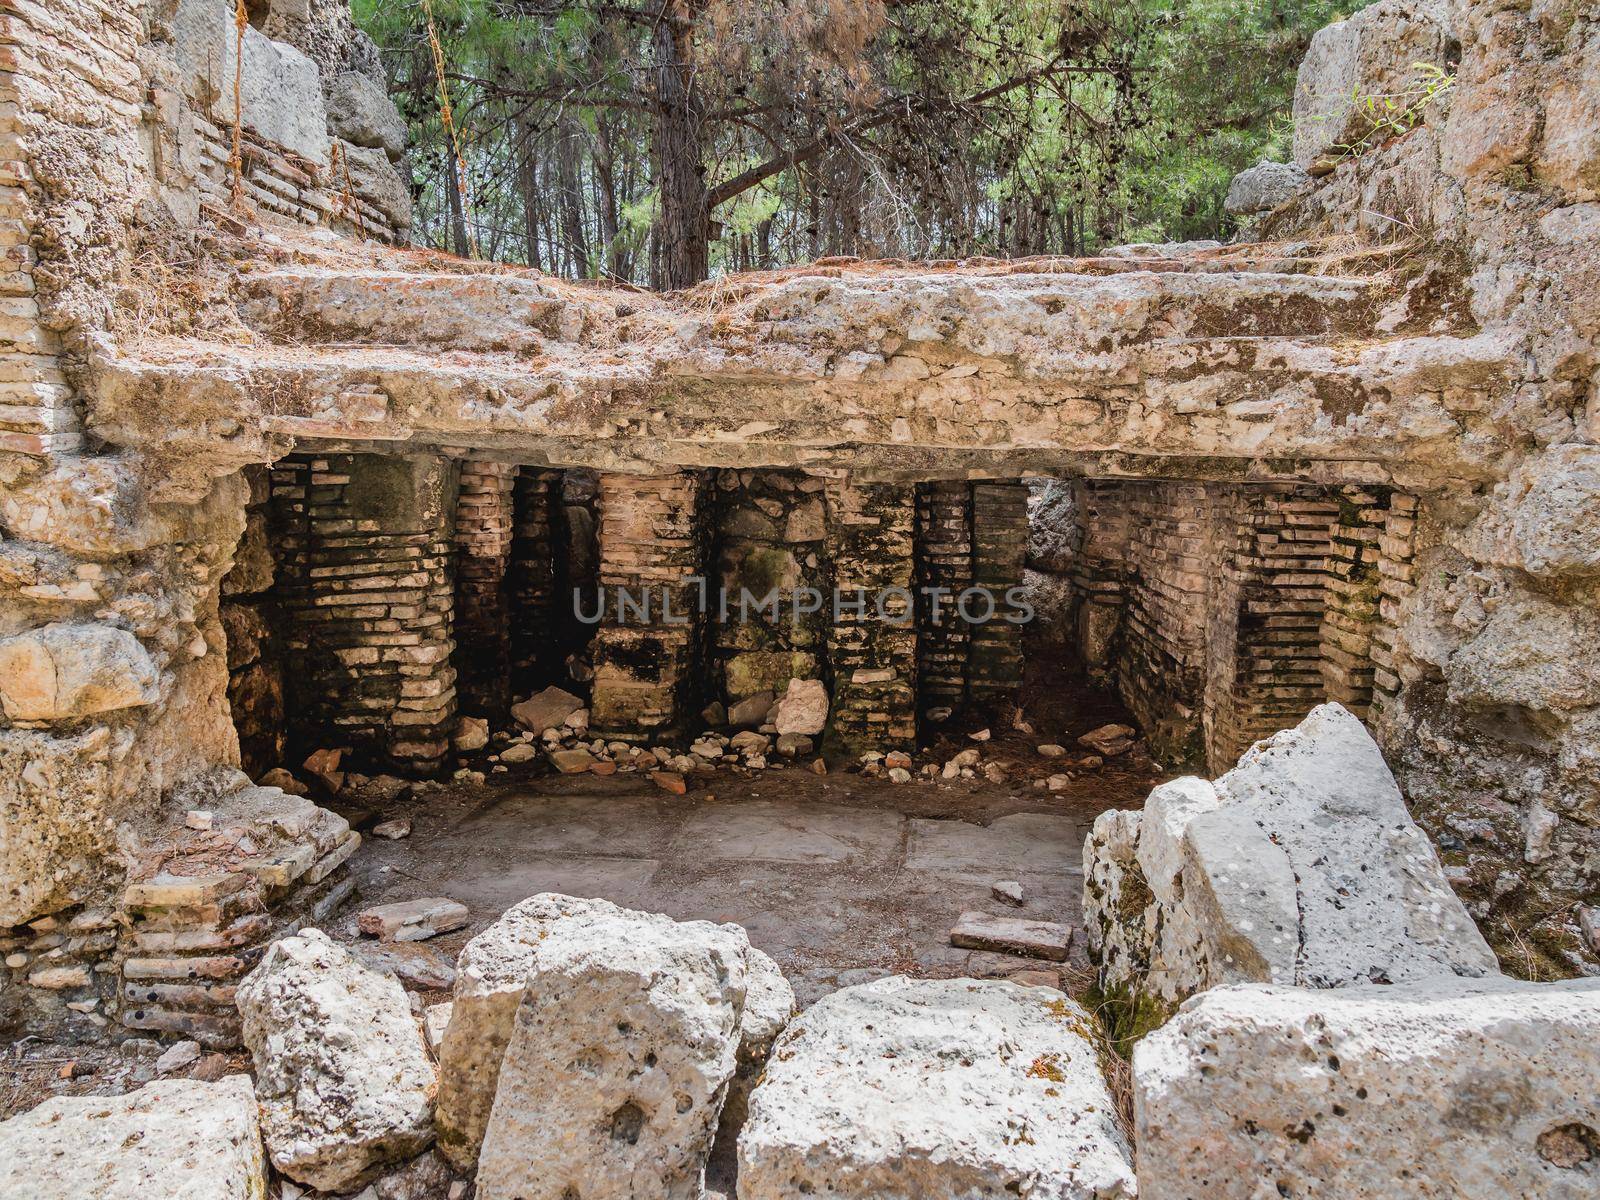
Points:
944	560
531	581
1352	600
1396	583
999	550
483	534
871	531
652	540
365	586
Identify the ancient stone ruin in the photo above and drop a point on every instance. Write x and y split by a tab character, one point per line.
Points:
302	527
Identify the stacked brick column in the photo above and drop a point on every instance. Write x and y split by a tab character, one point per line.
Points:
1099	576
1396	582
653	539
531	579
1352	600
944	560
365	587
999	550
873	654
483	537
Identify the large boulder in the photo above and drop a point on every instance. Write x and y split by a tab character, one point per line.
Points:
907	1089
374	179
178	1139
1299	866
1264	187
1472	1089
620	1055
1372	54
491	974
344	1080
64	671
803	709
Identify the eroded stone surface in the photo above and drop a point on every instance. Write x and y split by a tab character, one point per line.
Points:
1478	1089
175	1138
344	1081
619	1058
1301	865
929	1089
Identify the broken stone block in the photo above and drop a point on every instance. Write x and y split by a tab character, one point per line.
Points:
751	711
435	1020
1299	866
323	766
570	762
518	752
623	1044
1264	187
907	1089
283	781
178	1057
409	962
1109	740
492	971
1007	891
1012	935
794	745
344	1082
393	831
472	733
172	1138
546	710
412	920
1472	1089
803	709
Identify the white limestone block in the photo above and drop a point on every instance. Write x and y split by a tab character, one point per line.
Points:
906	1089
345	1083
1471	1089
178	1139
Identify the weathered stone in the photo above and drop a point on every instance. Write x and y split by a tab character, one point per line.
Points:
803	709
374	179
360	112
670	781
769	1004
928	1089
435	1020
648	1009
1477	1089
61	672
180	1056
751	711
1109	740
571	762
413	920
1012	935
1264	187
422	966
546	710
174	1138
1007	891
344	1081
1373	54
472	733
1301	866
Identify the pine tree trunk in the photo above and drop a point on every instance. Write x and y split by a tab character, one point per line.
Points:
684	227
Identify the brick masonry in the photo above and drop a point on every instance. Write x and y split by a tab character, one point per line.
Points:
943	560
484	531
365	558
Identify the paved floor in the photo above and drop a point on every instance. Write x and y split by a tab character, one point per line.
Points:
840	878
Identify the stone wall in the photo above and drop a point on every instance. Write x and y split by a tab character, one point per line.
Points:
999	548
943	560
252	626
532	594
365	558
484	618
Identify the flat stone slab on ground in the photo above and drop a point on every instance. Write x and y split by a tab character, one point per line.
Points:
1472	1089
176	1139
1019	844
1012	935
935	1090
545	710
776	832
412	920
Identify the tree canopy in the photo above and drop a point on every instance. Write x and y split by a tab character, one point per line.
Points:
658	142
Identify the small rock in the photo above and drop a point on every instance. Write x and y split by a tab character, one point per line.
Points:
794	745
751	711
323	766
981	735
897	758
715	714
1008	891
412	920
183	1054
1046	979
819	767
749	742
435	1020
393	830
1058	783
199	818
1012	935
472	733
547	710
1109	740
518	752
410	962
994	772
279	778
570	762
669	781
1051	750
899	775
967	758
578	722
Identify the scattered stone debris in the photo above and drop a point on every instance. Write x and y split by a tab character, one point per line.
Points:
344	1082
1109	741
1012	935
908	1089
173	1137
413	920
